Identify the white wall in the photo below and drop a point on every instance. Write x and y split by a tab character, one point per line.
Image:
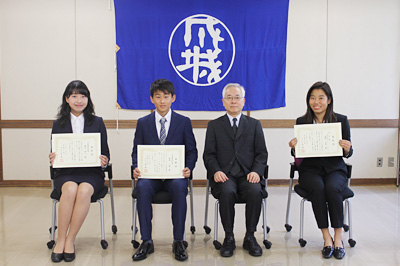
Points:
353	44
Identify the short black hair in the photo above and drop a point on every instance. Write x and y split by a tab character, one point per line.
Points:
163	85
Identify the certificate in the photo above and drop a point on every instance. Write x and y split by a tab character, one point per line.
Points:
76	150
161	161
318	140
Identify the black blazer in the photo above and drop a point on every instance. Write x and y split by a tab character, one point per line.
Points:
329	164
96	126
221	149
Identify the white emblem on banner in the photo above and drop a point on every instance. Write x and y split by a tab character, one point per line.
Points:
197	60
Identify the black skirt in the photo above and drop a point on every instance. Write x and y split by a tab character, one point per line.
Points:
93	178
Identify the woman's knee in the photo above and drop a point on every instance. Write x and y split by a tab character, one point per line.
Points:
85	190
333	193
69	190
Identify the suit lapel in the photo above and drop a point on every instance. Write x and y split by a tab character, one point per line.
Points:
68	127
242	125
227	125
172	127
152	127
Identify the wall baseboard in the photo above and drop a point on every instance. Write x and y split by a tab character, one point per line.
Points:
201	183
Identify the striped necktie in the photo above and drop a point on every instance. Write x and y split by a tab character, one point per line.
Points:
163	135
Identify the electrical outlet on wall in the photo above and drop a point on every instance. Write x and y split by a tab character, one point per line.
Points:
379	162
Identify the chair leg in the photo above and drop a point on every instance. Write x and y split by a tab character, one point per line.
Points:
52	242
217	244
266	243
103	241
111	192
287	225
301	240
134	226
345	218
192	227
207	229
352	242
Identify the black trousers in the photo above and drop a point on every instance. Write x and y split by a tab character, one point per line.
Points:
227	194
326	195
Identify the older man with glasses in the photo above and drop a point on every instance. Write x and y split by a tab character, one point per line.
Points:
235	156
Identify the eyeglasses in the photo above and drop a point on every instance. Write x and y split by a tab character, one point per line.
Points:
231	98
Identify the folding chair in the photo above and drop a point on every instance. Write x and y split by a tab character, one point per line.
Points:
347	194
161	197
95	198
207	229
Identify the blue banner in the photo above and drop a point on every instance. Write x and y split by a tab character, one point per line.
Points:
201	46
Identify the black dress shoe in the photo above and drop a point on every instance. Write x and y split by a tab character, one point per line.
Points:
68	257
228	247
327	251
250	244
180	251
57	257
147	247
339	252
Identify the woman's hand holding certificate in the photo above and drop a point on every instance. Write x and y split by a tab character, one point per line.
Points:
319	140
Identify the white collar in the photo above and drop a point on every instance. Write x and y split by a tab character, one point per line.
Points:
167	116
76	118
231	118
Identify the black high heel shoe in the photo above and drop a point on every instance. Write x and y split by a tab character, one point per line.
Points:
327	251
339	252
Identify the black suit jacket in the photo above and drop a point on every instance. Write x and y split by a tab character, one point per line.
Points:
221	149
96	126
329	164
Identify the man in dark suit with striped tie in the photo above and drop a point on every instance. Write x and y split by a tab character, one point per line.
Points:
235	156
163	127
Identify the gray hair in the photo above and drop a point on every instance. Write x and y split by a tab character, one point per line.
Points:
237	85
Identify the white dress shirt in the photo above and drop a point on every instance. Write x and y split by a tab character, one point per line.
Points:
167	122
77	123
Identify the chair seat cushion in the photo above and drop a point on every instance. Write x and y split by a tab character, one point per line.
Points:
347	193
101	194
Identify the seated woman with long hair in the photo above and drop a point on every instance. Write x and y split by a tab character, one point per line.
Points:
76	185
325	178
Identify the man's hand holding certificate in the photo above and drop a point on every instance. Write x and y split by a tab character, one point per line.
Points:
161	161
318	140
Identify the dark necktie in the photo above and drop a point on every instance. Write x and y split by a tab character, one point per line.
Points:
236	169
163	135
234	127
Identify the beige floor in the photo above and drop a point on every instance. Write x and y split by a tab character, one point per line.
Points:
25	216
